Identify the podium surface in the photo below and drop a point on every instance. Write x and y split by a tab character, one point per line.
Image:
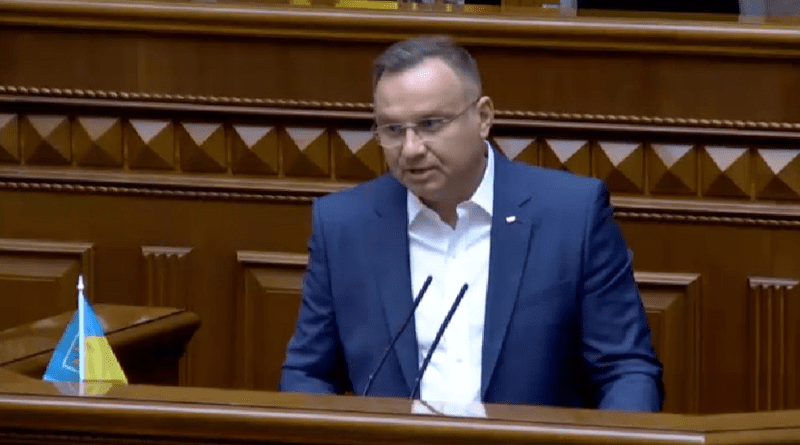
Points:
40	412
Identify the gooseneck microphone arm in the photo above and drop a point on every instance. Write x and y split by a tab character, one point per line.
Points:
437	339
397	335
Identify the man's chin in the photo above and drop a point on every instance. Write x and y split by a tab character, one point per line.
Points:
425	195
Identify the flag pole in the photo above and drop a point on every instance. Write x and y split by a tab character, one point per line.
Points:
81	331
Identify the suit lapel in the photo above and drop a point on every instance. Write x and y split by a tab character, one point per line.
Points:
394	279
512	222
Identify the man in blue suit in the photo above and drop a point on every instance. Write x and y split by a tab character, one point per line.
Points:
551	314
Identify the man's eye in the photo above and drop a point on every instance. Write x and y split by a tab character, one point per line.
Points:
394	128
430	124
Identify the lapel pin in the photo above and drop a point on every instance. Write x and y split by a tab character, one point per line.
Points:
511	219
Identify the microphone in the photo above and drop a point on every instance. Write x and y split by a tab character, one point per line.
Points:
436	340
397	335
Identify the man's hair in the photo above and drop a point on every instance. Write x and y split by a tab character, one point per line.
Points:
409	53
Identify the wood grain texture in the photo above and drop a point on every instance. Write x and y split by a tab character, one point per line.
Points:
212	128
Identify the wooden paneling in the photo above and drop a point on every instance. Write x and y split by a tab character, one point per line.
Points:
773	346
43	272
632	69
230	245
167	275
183	146
672	302
267	302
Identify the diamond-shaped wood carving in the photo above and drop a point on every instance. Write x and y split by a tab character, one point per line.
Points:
567	154
9	140
519	149
151	144
725	171
620	165
305	152
358	155
254	149
97	141
202	147
777	173
672	169
46	140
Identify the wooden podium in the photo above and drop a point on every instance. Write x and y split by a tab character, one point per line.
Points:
39	413
150	342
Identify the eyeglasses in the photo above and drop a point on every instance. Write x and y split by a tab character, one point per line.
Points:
393	135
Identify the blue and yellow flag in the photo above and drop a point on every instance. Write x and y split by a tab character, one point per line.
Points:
83	353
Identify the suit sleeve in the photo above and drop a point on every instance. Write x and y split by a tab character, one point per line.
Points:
616	343
314	359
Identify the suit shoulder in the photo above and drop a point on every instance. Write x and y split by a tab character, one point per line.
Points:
354	202
558	185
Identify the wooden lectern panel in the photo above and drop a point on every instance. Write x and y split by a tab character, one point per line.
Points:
148	342
40	412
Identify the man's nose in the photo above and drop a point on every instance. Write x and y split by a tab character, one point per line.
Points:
412	143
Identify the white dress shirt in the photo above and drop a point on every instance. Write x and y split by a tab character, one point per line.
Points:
453	256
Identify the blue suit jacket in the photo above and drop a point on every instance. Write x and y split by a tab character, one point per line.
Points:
564	322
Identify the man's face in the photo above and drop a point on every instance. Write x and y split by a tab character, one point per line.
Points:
442	168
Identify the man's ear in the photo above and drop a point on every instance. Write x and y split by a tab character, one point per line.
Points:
486	113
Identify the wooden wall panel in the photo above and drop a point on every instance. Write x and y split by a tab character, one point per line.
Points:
773	343
38	278
672	302
267	302
167	275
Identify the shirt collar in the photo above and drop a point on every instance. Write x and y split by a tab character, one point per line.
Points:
483	196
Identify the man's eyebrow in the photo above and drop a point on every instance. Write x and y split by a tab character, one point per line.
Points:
428	115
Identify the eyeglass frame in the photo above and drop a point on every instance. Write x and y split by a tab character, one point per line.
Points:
445	122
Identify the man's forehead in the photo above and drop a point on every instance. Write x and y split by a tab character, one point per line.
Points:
425	87
426	71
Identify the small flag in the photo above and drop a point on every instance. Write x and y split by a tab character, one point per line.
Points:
83	353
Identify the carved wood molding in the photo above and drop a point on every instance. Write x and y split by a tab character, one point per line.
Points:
705	219
151	191
198	187
272	258
122	97
166	275
773	343
14	94
707	212
166	284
